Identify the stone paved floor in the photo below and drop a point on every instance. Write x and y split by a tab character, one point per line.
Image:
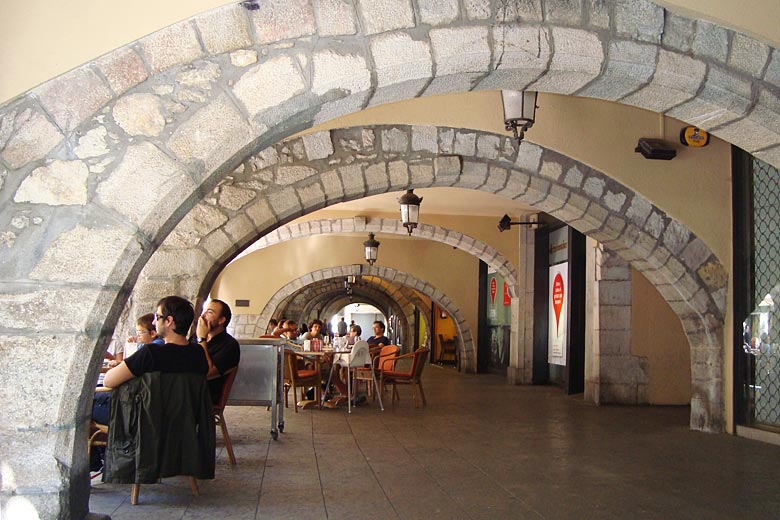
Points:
480	450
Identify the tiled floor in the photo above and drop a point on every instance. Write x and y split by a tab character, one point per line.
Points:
480	449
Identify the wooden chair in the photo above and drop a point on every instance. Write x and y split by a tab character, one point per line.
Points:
302	378
174	433
219	410
98	436
447	347
412	376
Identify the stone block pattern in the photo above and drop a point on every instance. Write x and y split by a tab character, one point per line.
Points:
622	378
299	76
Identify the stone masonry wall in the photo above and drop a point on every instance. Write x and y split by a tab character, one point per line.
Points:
178	110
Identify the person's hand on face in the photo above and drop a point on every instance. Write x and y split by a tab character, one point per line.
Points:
203	327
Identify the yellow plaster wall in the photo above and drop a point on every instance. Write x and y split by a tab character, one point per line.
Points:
258	276
657	334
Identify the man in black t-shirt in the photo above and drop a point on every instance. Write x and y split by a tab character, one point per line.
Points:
378	339
172	321
221	349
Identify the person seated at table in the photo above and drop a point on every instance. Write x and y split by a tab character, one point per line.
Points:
277	331
378	339
174	354
354	333
315	331
288	331
173	319
272	324
144	333
222	350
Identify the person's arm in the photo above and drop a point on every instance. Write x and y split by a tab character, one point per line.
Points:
202	331
117	375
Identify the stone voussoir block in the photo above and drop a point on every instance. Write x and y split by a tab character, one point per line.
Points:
224	29
278	20
576	60
640	20
174	45
73	97
334	17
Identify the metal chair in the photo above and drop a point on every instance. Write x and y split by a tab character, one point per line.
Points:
358	358
378	357
219	410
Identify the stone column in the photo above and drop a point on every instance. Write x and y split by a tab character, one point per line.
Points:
612	373
520	369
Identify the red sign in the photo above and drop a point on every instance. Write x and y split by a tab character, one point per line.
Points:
557	298
493	290
507	299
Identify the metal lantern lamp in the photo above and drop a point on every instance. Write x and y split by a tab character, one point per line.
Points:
372	249
410	210
519	111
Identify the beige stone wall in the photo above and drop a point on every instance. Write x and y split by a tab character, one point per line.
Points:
80	30
260	275
659	337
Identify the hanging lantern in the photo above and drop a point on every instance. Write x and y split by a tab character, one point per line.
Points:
372	249
410	210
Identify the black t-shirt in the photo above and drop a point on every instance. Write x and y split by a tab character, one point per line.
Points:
374	341
168	358
225	354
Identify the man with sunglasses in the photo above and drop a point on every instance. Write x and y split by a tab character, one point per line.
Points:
172	321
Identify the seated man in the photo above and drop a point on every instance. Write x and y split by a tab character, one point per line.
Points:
173	353
221	349
379	339
172	321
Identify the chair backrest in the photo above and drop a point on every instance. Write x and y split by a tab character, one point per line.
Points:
387	353
419	362
290	363
359	357
227	384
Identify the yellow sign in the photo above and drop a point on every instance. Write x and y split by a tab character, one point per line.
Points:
694	137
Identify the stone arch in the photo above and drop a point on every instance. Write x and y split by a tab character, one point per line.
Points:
179	108
455	238
356	162
333	289
468	354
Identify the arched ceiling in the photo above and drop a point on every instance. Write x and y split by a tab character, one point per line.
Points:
80	30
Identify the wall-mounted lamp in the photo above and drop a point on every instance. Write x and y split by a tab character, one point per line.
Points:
505	223
410	210
519	111
372	249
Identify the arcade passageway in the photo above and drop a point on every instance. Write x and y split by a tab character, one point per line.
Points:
480	449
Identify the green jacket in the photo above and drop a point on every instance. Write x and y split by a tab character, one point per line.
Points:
161	425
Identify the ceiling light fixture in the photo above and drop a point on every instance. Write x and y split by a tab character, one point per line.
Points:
371	248
519	111
410	210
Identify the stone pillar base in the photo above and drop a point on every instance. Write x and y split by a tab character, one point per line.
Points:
514	376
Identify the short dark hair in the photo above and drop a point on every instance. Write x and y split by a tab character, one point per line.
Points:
225	312
181	310
356	328
316	322
273	322
381	324
146	321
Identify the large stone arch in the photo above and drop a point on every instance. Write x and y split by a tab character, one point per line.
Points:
455	238
332	289
468	353
179	109
357	162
